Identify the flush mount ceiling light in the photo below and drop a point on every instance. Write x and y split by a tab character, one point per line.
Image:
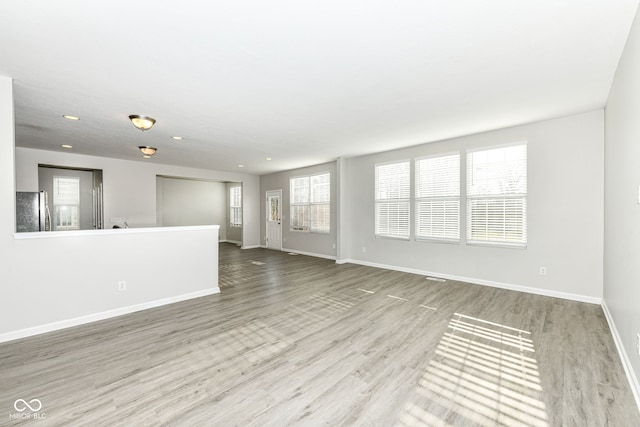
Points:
68	117
142	122
147	151
177	138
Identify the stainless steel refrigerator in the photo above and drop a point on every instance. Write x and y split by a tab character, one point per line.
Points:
32	211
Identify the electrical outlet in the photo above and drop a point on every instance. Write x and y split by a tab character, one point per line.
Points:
122	285
334	246
543	271
638	344
364	249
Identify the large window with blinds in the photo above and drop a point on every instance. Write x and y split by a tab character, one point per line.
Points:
310	203
497	195
437	197
392	199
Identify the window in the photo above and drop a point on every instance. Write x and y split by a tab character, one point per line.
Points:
392	200
310	201
437	197
235	202
497	195
66	203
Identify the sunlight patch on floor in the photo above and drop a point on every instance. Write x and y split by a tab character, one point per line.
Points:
483	373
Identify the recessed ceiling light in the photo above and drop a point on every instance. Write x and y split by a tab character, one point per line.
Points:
177	138
66	146
268	158
71	117
240	166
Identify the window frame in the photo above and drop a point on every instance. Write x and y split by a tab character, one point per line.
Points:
390	201
505	196
235	211
75	207
444	198
309	204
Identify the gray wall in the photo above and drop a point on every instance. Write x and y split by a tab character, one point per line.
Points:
311	243
565	213
191	202
622	208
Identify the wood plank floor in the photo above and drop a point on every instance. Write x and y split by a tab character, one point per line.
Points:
295	340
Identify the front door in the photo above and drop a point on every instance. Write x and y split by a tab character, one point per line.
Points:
274	227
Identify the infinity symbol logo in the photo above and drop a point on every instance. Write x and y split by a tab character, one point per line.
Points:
21	405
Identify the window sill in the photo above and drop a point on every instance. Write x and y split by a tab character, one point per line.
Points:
445	241
380	236
521	246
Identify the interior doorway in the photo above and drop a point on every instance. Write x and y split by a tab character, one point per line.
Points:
74	197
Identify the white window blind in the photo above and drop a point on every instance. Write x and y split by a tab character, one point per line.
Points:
392	200
310	203
437	197
497	195
66	203
321	203
235	202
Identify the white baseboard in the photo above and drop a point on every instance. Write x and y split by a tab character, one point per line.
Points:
527	289
235	242
50	327
626	363
309	254
252	247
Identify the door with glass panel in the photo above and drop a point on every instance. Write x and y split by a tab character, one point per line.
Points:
274	219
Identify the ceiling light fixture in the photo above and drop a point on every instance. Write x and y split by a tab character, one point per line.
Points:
142	122
147	151
66	146
68	117
268	159
177	138
240	166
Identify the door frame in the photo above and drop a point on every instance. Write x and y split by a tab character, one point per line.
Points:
269	193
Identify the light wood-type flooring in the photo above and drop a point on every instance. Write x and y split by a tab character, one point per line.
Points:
301	341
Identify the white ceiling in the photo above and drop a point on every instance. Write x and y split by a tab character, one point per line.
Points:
303	82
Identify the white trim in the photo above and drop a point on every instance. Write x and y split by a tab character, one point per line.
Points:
511	287
253	247
235	242
110	231
626	363
63	324
309	254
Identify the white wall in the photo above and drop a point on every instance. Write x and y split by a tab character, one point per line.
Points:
622	208
565	213
310	243
130	186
